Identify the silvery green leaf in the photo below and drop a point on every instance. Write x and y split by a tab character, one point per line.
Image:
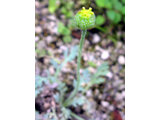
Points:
102	70
75	83
52	79
66	113
85	76
78	101
39	81
54	63
66	53
73	53
56	97
62	87
98	80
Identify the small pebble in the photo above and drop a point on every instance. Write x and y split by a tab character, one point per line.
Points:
105	104
109	75
119	97
52	17
49	39
55	30
104	43
116	83
38	29
121	60
96	38
89	93
37	4
91	69
41	44
64	48
111	107
46	105
51	70
119	44
51	24
37	38
44	11
85	57
104	116
46	61
123	94
105	55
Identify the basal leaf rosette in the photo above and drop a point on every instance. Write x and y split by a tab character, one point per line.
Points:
85	19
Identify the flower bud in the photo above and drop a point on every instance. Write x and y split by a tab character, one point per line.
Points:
85	19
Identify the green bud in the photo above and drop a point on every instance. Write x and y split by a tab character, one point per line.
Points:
85	19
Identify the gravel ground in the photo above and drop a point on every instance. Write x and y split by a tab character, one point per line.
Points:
108	99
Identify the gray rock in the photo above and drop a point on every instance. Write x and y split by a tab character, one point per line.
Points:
121	60
109	75
37	38
49	39
96	38
44	11
38	29
105	104
51	17
111	107
89	93
119	97
51	70
55	30
105	55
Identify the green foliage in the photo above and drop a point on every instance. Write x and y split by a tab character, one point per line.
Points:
101	3
100	20
66	12
67	39
67	8
115	9
114	16
52	6
65	31
41	52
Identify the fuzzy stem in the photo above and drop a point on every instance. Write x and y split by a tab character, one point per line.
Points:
75	91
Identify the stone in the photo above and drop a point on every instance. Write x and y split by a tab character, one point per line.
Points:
105	104
51	70
49	39
37	4
119	97
52	17
37	38
89	93
44	11
38	29
109	75
105	55
111	107
104	43
121	60
54	30
96	38
91	69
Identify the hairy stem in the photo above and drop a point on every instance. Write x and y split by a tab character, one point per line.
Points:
69	100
